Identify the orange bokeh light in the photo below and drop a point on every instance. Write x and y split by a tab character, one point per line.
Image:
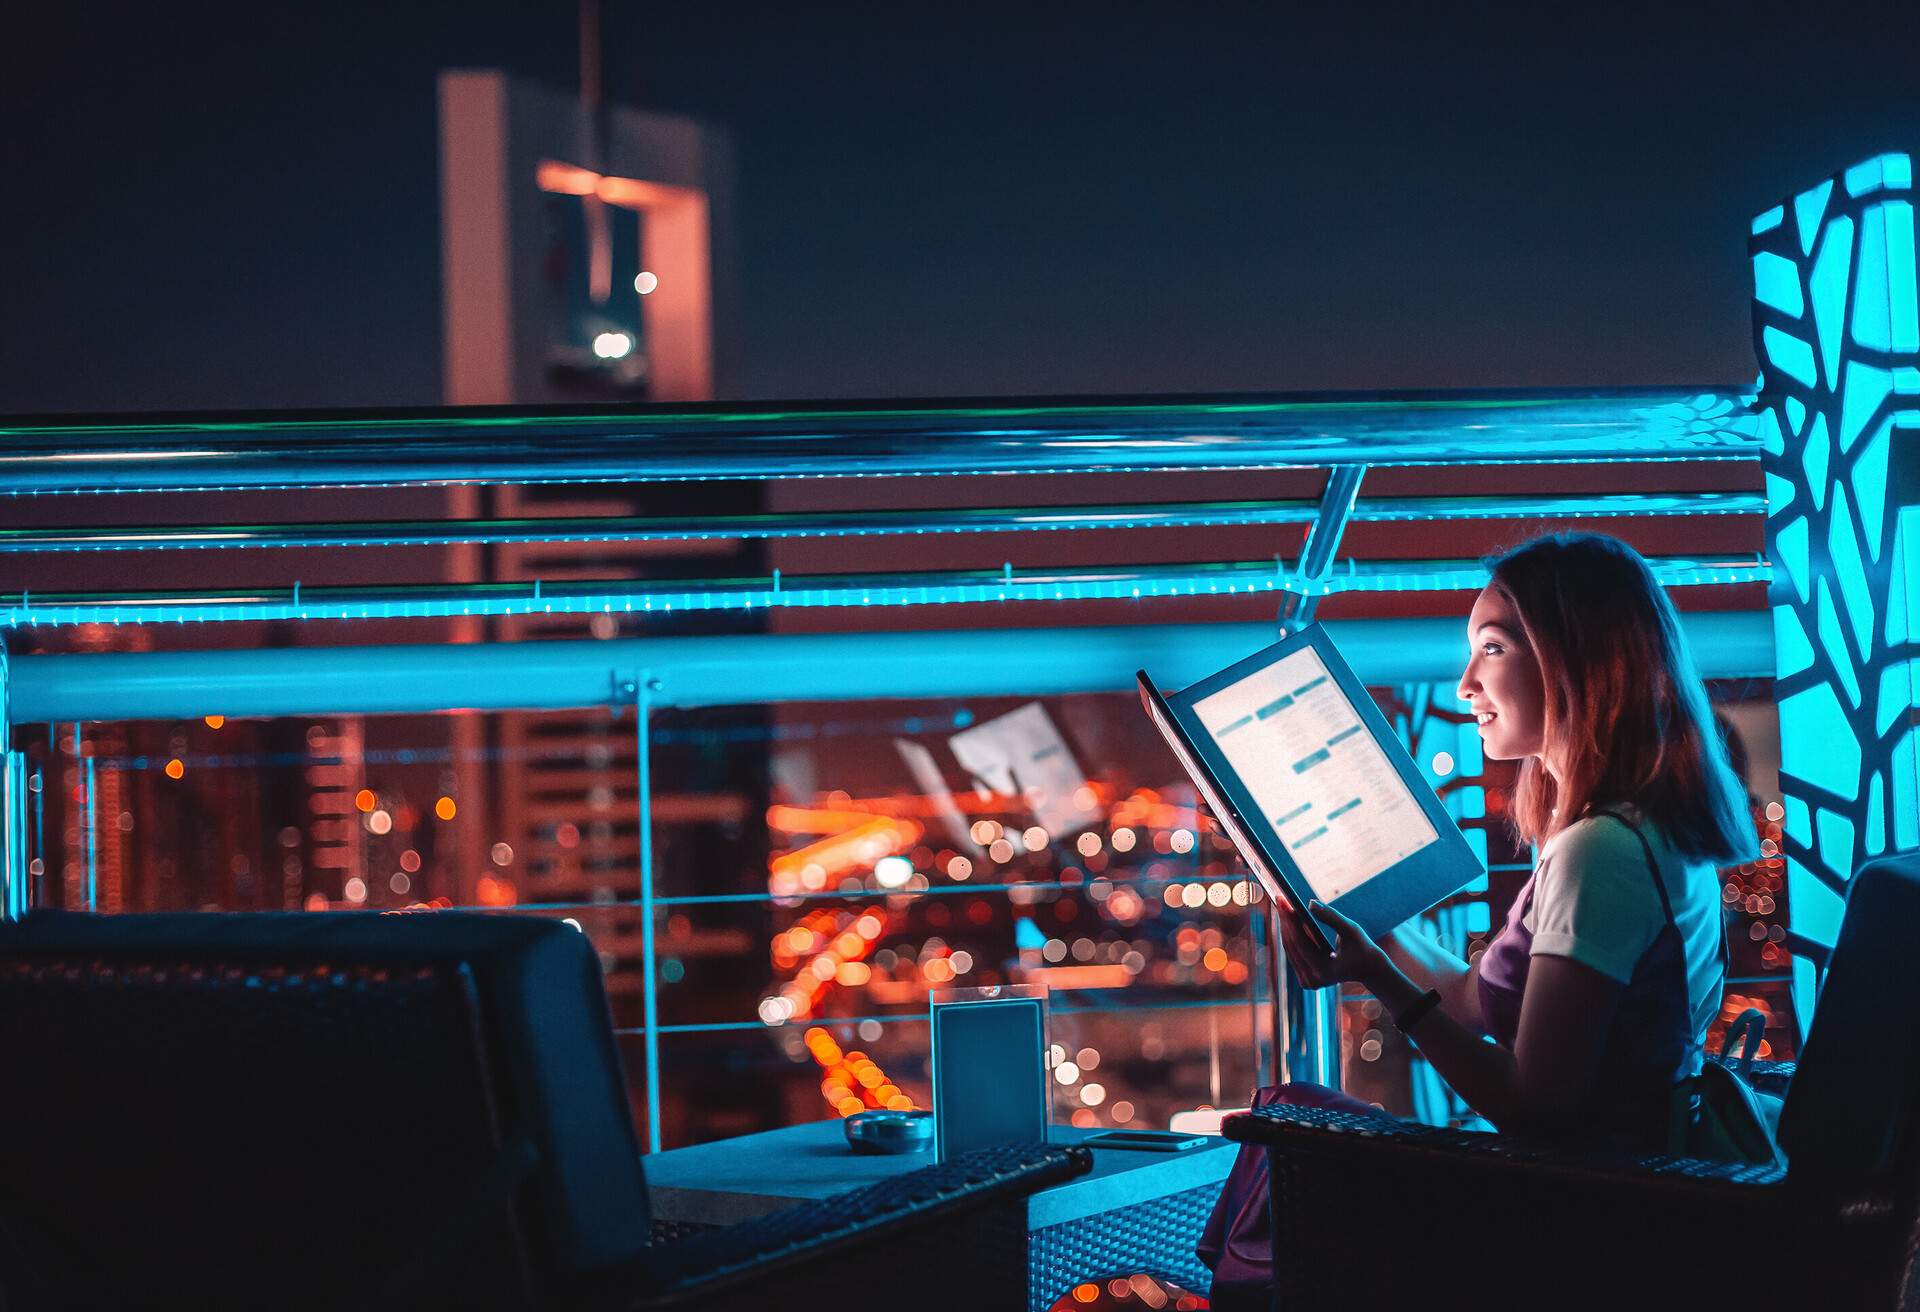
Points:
444	808
364	800
491	892
175	768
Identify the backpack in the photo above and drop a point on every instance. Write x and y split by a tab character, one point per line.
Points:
1718	1115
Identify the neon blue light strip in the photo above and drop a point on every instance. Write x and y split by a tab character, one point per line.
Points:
929	589
833	525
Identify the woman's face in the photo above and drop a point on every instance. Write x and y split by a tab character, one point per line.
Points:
1502	681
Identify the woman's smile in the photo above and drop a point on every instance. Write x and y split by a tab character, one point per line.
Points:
1500	661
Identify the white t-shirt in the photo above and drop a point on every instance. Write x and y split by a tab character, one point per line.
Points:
1594	902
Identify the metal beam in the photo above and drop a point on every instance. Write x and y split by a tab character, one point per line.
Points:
927	588
746	668
1302	592
219	452
861	523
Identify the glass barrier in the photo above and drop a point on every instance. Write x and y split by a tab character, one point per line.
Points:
816	869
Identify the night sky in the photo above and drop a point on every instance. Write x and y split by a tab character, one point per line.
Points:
239	208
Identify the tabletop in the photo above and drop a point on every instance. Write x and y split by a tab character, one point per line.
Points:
733	1180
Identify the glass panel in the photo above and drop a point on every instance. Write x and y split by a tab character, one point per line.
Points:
818	866
909	846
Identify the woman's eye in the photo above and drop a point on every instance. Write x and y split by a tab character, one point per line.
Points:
1490	648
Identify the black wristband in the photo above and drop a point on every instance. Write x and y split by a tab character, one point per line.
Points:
1417	1010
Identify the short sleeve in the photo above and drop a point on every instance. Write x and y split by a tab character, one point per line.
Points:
1595	902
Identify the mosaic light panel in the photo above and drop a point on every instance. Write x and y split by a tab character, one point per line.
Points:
1838	336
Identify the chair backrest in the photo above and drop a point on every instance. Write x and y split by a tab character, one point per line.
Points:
328	1110
1849	1114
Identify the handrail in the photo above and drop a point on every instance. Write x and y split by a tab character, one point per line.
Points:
761	668
215	452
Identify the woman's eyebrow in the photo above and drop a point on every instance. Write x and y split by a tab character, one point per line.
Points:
1501	629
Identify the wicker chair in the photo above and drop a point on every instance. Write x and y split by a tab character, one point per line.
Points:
407	1111
1379	1214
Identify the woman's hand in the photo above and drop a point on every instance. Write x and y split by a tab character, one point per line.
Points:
1354	957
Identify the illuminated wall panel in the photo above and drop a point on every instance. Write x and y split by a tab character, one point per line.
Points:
1836	329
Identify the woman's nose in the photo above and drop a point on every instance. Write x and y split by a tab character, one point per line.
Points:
1468	682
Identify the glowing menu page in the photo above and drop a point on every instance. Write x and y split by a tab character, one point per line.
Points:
1319	777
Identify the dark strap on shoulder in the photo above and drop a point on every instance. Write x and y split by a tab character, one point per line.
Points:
1653	867
1666	904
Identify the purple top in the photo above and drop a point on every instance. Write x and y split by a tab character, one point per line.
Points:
1650	1043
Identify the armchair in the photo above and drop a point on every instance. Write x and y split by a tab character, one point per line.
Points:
401	1111
1376	1214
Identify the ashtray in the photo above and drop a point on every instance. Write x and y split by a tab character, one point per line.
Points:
889	1132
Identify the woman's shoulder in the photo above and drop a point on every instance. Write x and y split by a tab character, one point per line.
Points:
1599	840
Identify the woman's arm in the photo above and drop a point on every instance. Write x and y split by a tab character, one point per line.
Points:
1537	1087
1431	966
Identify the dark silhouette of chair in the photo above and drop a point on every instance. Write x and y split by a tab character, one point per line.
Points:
396	1111
1379	1214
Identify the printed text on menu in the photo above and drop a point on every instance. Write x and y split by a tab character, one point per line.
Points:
1315	772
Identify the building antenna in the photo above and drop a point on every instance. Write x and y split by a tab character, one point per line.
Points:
593	135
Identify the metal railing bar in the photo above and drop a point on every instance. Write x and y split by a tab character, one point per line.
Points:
852	524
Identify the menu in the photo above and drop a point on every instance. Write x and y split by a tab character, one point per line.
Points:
1316	773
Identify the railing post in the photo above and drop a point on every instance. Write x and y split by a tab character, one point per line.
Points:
1306	1022
15	879
643	689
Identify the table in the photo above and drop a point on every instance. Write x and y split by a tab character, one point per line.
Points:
1134	1211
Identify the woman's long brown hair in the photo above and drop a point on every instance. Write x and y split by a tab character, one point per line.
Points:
1627	718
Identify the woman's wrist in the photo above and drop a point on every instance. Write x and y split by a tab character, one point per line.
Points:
1394	990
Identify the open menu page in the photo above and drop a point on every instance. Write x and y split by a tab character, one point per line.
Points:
1318	776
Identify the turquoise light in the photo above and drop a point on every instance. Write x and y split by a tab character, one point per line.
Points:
1902	293
1890	172
1834	644
1814	715
1876	832
1872	309
1866	387
1814	456
1848	759
1792	355
1771	442
1829	287
1905	770
1791	650
1790	548
1808	209
1844	551
971	587
1896	695
1870	487
1776	282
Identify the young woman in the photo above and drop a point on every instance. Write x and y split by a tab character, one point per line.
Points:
1598	990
